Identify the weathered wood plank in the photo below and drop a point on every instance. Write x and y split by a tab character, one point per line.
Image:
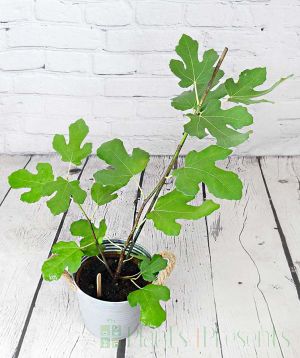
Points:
191	316
56	328
282	175
26	234
257	304
8	164
257	307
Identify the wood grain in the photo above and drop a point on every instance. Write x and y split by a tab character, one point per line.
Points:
282	175
257	304
232	296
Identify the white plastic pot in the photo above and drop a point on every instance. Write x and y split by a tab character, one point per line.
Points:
109	320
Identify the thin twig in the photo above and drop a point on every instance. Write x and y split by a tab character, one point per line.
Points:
133	277
135	284
130	258
100	260
96	241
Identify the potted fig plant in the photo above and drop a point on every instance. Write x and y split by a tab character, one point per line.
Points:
117	281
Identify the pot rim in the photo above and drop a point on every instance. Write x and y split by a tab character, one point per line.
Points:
109	303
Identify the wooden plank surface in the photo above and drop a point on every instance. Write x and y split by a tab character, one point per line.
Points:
282	175
27	231
56	328
191	326
257	303
238	281
8	164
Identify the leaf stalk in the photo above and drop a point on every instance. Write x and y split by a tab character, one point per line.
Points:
96	241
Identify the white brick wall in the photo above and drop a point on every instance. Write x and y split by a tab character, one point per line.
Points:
63	61
109	13
107	61
57	11
17	60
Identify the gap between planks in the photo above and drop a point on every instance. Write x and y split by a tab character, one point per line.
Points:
121	351
269	267
180	334
282	236
5	177
211	271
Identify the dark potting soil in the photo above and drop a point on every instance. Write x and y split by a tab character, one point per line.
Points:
87	274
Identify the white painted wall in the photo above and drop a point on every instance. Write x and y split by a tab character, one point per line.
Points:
107	61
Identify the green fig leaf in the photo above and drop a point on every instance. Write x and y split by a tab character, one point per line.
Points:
190	70
173	206
66	256
73	152
243	91
220	123
82	228
200	167
65	190
148	297
187	99
124	166
103	194
151	267
36	182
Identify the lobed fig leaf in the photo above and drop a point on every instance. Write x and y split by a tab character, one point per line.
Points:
36	182
65	191
151	267
148	297
66	256
200	167
220	123
190	70
243	91
124	166
73	152
173	206
82	228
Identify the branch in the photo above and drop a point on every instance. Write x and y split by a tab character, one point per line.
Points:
156	191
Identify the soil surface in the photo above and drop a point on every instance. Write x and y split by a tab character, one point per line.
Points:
87	274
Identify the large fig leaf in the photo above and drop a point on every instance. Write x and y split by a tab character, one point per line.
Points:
67	255
148	297
124	166
36	182
200	167
83	229
151	267
65	190
190	70
73	152
173	206
220	123
243	91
